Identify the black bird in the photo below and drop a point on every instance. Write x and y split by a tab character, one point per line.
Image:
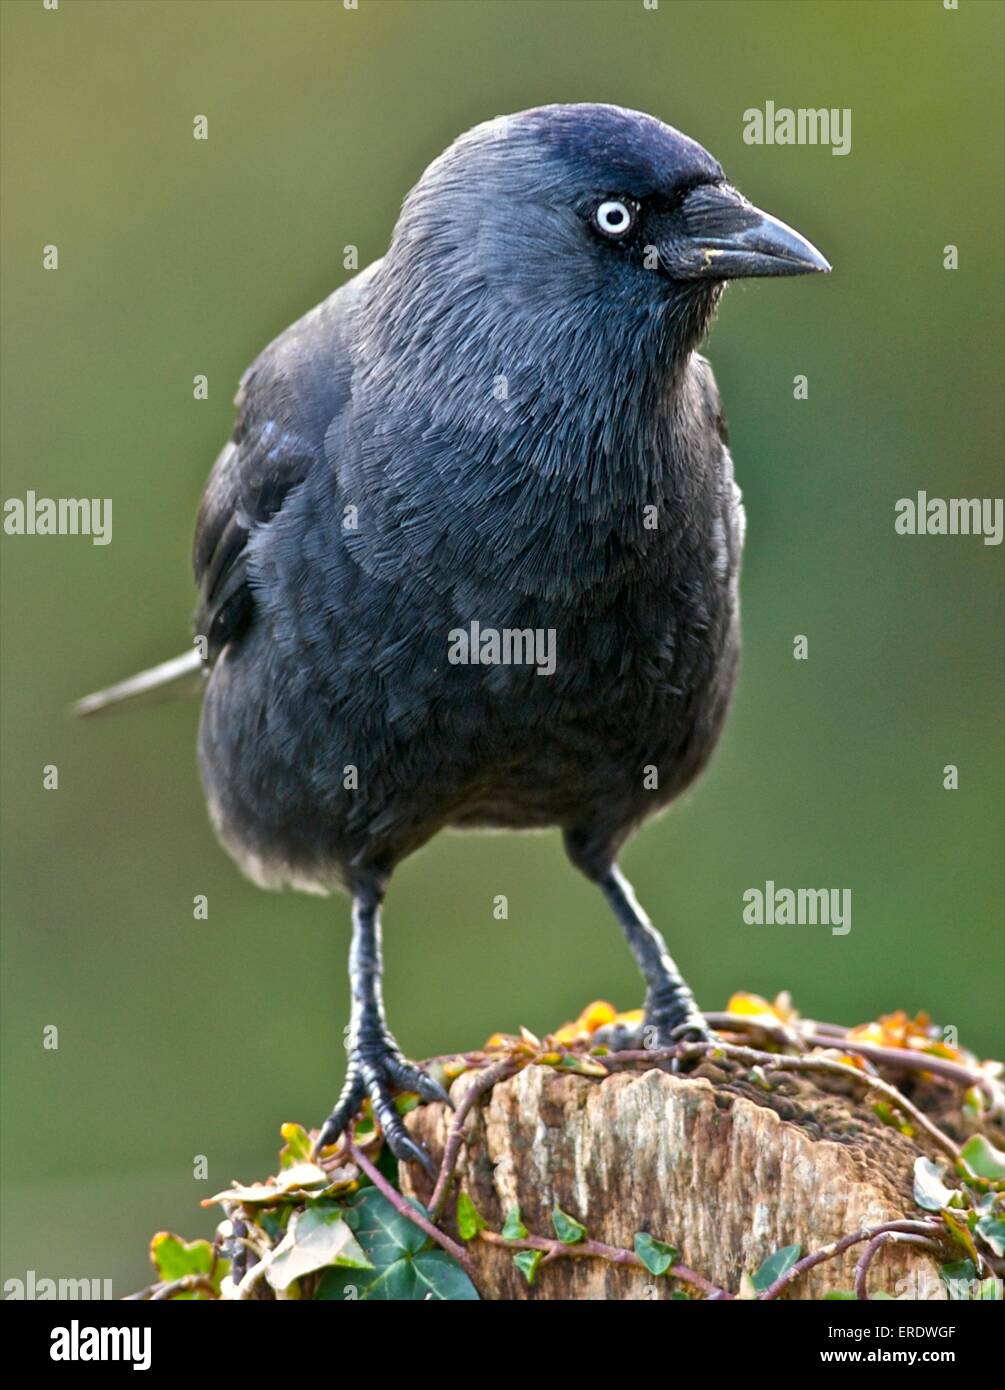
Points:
471	556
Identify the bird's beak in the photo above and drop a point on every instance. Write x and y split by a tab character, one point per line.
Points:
726	238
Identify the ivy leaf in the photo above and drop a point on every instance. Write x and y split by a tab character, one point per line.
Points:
403	1267
298	1148
567	1228
174	1258
775	1266
957	1276
300	1180
930	1192
274	1221
527	1262
383	1232
960	1230
469	1219
316	1238
654	1254
982	1159
514	1228
580	1064
991	1230
430	1275
843	1295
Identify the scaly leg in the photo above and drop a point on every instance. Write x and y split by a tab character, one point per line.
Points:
376	1064
670	1005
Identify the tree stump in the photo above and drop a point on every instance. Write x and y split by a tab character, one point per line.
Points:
725	1170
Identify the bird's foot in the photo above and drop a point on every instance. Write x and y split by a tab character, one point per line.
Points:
677	1021
620	1037
377	1069
660	1027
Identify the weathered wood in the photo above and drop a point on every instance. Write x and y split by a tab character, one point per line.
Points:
706	1162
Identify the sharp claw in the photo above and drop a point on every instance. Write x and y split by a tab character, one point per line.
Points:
696	1029
430	1089
411	1077
345	1108
372	1071
693	1030
328	1135
405	1149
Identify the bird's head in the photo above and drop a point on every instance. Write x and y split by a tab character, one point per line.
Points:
587	227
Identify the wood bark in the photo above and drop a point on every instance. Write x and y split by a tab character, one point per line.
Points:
724	1171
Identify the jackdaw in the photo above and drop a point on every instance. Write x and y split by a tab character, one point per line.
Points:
471	555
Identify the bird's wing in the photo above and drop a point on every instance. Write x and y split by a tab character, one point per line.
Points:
286	402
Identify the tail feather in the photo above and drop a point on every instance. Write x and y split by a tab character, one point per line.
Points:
183	675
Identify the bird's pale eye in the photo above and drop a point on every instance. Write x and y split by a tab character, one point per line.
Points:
614	218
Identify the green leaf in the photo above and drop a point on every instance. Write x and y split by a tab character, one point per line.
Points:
272	1223
174	1258
383	1232
961	1232
580	1064
775	1266
469	1219
844	1295
403	1265
428	1275
983	1158
514	1228
973	1103
298	1149
527	1262
958	1276
567	1228
316	1239
930	1192
654	1254
991	1230
884	1111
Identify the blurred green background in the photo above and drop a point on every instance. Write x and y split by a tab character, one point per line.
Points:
179	257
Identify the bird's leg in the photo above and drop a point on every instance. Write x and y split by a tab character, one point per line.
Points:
376	1064
670	1006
